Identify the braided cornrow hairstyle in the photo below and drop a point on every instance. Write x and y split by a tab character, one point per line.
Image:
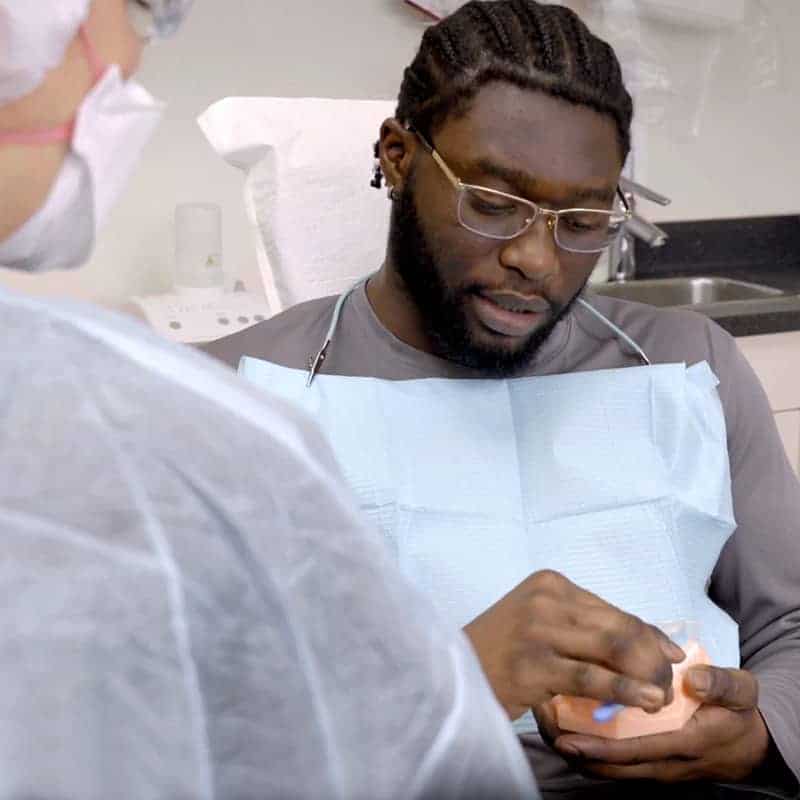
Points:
523	42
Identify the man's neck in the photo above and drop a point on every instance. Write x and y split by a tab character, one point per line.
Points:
396	310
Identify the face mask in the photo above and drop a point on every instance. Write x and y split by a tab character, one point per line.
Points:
111	128
35	36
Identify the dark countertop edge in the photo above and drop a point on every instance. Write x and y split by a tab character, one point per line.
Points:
759	324
755	317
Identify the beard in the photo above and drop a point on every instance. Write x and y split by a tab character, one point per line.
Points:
443	309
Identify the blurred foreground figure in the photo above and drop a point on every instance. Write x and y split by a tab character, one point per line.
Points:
191	607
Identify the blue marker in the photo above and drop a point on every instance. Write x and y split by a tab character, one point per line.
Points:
607	712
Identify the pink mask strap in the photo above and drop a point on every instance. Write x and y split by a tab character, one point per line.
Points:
61	133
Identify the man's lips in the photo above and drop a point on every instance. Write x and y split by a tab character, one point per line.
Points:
510	313
514	301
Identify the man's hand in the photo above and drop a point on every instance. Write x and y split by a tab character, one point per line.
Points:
549	637
726	740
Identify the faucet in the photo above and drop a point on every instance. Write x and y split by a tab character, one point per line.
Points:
623	252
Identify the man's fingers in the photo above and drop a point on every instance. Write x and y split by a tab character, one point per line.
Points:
591	680
548	724
711	728
671	650
618	642
627	752
734	689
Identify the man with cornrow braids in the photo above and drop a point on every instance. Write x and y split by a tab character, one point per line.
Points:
503	162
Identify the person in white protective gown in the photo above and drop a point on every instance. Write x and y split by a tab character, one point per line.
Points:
190	605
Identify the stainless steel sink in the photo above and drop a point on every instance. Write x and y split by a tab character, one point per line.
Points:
687	291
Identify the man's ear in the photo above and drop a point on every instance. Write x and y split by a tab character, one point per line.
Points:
397	149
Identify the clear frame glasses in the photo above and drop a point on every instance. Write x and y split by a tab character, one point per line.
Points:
499	215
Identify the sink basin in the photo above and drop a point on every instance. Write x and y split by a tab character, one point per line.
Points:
687	291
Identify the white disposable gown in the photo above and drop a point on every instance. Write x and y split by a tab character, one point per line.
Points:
191	607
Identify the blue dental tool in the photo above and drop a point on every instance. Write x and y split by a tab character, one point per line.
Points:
607	712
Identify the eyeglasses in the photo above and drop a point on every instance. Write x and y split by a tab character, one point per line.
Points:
157	18
498	215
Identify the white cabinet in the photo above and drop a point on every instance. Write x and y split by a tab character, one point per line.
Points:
776	361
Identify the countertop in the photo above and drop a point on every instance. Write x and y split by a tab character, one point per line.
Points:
763	250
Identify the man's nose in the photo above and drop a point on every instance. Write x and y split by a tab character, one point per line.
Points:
534	254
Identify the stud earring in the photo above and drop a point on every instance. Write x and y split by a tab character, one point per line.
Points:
377	176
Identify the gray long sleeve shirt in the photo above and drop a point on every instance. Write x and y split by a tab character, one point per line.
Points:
757	577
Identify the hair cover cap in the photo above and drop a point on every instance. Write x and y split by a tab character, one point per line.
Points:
34	36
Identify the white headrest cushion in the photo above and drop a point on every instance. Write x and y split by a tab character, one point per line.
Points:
319	225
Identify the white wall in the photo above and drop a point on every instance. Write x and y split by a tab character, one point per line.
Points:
744	162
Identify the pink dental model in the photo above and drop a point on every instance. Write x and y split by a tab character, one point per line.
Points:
584	715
